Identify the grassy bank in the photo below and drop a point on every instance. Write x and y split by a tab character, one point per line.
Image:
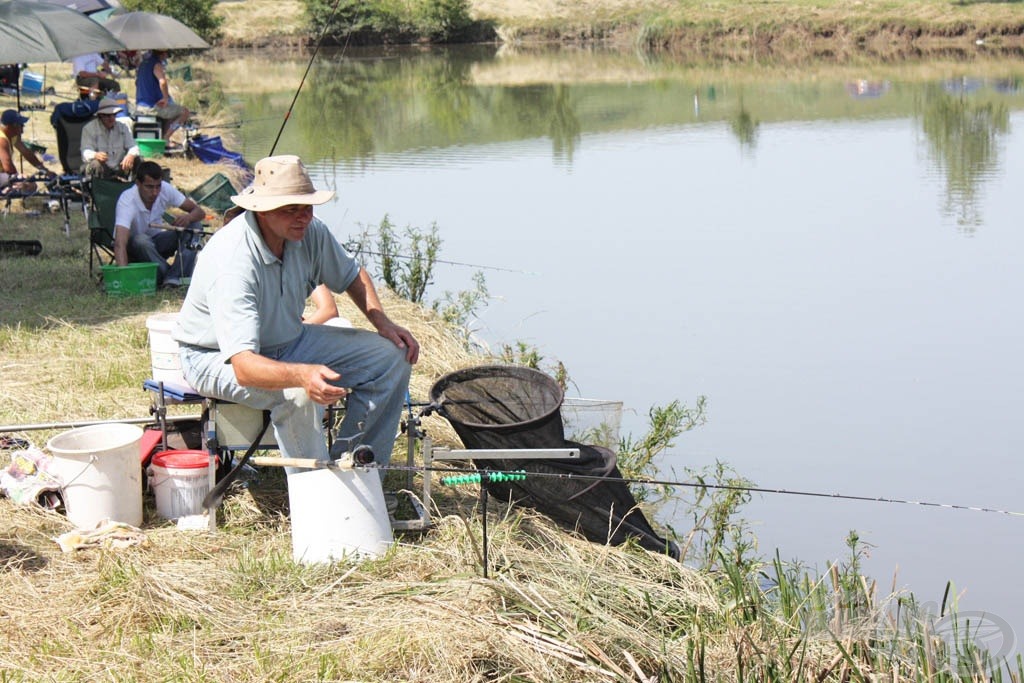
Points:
232	606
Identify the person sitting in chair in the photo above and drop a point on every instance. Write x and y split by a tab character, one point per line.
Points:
108	148
11	126
141	234
240	329
92	74
153	95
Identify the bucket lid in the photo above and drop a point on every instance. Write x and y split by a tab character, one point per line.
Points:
162	322
181	460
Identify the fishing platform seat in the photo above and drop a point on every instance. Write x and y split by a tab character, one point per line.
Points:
228	427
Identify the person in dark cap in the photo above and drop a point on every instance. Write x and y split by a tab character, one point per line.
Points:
241	334
108	147
11	126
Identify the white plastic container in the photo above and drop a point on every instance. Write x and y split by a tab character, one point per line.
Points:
163	350
179	480
101	473
337	514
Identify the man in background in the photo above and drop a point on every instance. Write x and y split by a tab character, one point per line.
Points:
92	74
141	234
153	95
108	146
12	124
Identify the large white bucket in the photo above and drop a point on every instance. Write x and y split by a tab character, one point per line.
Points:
99	466
337	514
179	480
163	350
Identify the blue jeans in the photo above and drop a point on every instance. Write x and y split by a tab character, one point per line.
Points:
161	246
373	369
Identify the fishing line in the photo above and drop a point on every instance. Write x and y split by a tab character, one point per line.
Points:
448	263
719	487
316	50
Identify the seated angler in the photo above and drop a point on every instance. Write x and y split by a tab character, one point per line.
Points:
92	74
11	126
108	148
153	95
141	234
241	333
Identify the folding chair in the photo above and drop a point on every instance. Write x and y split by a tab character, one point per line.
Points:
103	196
68	119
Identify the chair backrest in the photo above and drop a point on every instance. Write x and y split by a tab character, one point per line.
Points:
103	196
68	119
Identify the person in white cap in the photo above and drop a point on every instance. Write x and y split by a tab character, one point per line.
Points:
108	146
240	328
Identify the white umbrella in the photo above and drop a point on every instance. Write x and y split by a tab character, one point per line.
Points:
152	31
40	32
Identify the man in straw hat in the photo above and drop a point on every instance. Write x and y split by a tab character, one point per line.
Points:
108	146
240	328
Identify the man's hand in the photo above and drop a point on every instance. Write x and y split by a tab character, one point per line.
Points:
402	338
126	163
317	383
102	157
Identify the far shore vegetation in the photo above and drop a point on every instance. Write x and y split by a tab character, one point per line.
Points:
884	27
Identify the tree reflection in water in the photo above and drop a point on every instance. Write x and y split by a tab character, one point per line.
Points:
962	136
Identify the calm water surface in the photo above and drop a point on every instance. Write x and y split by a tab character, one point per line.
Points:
832	259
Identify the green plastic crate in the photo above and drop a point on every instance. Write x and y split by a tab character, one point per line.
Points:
131	280
215	193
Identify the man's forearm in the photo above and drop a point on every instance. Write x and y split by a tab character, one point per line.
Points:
255	370
364	296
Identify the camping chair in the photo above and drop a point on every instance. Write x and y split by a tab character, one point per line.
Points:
68	119
103	196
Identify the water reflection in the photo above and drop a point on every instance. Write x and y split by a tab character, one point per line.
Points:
365	107
962	136
744	127
809	285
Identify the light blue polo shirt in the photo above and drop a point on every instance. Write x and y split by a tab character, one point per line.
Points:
243	298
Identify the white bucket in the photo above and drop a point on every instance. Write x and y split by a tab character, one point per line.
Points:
179	480
102	476
337	514
163	350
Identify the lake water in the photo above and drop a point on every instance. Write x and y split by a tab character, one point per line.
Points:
830	255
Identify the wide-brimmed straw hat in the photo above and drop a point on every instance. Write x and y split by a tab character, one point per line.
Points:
280	181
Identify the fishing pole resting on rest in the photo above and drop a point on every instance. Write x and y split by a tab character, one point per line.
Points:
696	485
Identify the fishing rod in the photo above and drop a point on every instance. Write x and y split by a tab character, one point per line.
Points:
700	485
316	50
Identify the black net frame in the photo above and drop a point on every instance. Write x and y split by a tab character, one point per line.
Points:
513	407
